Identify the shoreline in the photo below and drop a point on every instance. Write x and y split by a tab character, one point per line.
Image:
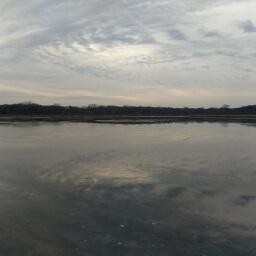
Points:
127	118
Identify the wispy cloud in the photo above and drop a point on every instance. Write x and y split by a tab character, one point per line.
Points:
209	33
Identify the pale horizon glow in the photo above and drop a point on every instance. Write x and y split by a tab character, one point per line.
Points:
152	52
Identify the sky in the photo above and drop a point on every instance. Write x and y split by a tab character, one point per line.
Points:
186	53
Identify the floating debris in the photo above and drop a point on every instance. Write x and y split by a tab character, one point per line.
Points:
122	226
153	223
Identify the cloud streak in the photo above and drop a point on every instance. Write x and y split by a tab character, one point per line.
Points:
66	94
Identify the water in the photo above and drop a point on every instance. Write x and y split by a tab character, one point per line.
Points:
113	189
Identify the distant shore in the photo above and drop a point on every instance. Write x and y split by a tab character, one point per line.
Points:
30	110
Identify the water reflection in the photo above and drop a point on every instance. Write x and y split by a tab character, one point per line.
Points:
100	189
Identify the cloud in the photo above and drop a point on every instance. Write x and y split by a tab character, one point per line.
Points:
177	35
247	26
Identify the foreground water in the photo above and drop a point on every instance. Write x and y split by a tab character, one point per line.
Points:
112	189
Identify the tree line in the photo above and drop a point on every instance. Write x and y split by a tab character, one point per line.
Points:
30	108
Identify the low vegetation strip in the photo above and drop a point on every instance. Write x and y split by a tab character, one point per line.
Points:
33	110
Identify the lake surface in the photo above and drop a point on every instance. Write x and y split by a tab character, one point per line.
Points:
112	189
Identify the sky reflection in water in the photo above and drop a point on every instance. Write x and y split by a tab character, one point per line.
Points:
102	189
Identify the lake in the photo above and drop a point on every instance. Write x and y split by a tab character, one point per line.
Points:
97	189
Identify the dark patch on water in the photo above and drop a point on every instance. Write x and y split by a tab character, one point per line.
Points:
244	200
175	192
